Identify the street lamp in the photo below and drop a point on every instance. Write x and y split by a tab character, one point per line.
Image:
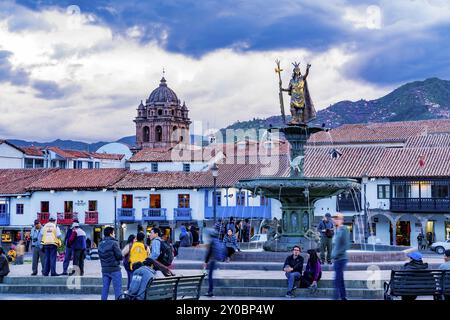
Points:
215	174
115	210
365	179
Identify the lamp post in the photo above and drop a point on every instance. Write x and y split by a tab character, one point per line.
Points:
115	211
365	179
215	173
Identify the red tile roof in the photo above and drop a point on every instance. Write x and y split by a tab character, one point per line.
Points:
17	181
68	179
228	176
66	153
33	151
107	156
380	132
429	141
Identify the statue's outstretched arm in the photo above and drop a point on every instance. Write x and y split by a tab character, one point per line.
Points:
307	70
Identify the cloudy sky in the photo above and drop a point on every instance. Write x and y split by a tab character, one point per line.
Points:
78	69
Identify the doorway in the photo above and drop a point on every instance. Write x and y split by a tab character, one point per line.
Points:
403	233
97	235
447	230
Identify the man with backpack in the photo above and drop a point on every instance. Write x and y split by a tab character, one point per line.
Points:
110	258
216	252
78	243
50	241
139	250
326	229
68	254
162	251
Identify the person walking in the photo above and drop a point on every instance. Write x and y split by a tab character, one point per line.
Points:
341	243
326	229
126	258
4	265
420	238
20	252
231	244
216	252
38	254
293	267
79	248
246	230
50	241
110	258
68	252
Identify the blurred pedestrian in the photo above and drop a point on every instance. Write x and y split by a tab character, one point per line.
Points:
4	265
341	243
216	253
20	252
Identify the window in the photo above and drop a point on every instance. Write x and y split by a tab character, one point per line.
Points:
68	206
240	198
127	201
19	208
155	201
97	165
45	206
2	208
28	163
62	164
90	165
183	201
154	167
384	191
439	191
146	134
402	191
186	167
78	164
158	134
38	163
54	163
218	198
160	112
92	205
263	201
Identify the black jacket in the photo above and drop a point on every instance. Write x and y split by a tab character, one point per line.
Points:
415	265
110	255
4	266
296	264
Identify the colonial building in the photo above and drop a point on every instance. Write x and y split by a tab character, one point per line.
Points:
163	121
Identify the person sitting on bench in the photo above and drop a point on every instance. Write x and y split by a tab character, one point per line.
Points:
143	273
415	263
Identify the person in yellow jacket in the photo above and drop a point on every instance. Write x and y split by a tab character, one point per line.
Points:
51	240
12	254
139	251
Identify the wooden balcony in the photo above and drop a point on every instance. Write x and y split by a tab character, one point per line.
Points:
126	214
420	205
182	214
43	217
91	217
154	214
66	218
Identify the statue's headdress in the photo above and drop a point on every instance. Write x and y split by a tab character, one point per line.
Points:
296	66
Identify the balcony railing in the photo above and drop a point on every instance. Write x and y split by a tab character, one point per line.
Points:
4	219
91	217
223	212
182	214
154	214
43	217
420	204
66	218
126	214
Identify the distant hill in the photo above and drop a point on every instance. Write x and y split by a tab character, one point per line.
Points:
419	100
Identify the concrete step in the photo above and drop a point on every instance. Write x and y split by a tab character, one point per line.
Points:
276	292
277	266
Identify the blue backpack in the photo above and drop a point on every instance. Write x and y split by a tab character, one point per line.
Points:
219	250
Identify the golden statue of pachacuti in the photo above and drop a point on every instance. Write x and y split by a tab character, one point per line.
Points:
302	108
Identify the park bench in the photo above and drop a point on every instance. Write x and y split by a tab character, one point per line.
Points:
174	288
410	283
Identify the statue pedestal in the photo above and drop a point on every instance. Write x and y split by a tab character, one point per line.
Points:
286	243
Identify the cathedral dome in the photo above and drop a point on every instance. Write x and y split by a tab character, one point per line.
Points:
162	94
